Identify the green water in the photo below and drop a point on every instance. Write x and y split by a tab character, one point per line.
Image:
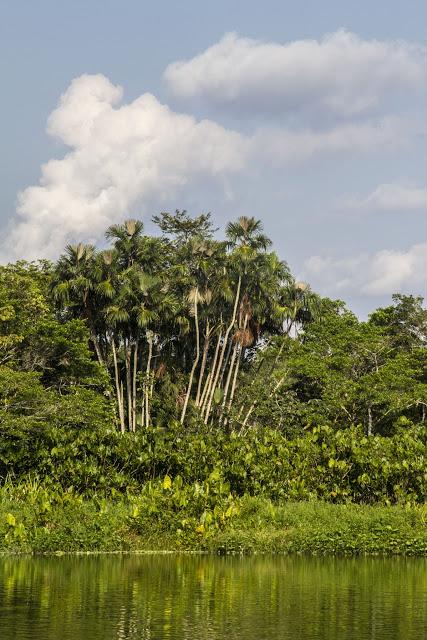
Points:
192	597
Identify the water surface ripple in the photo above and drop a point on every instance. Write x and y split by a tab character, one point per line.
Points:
201	597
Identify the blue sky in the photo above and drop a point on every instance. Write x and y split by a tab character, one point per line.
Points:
312	117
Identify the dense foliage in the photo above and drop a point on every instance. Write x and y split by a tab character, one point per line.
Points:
185	374
36	518
340	466
186	328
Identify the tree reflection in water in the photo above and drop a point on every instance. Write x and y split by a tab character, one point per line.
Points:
191	597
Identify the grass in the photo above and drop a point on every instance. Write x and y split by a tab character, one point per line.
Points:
34	519
321	528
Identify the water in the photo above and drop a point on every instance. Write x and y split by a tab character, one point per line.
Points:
192	597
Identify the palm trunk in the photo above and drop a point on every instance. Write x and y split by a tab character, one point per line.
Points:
203	395
227	383
97	349
234	385
210	378
143	406
118	392
203	365
135	370
147	379
369	430
152	374
128	382
224	346
122	400
238	353
225	363
196	360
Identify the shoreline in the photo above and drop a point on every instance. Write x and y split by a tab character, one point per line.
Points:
234	554
256	526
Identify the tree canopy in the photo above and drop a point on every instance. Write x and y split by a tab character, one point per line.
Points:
184	327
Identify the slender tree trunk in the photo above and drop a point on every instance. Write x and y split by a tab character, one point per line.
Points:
196	360
236	369
152	374
224	346
209	380
118	392
134	376
277	358
225	363
370	430
122	401
227	382
147	405
203	365
147	378
97	349
205	388
128	382
234	385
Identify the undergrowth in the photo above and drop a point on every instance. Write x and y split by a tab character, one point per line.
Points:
169	515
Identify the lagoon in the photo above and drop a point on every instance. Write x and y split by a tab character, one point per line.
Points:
191	597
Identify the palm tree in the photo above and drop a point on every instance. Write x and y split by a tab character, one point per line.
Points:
190	304
261	275
200	259
246	233
301	305
75	287
126	239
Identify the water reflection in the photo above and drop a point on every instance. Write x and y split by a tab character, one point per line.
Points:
187	597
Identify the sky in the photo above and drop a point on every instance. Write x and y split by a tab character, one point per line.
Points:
309	115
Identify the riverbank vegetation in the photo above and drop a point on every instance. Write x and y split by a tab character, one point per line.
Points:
37	519
184	391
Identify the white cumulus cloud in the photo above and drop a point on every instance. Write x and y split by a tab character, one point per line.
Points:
120	156
286	145
341	74
142	154
381	273
391	197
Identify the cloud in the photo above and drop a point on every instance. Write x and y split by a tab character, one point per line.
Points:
381	273
391	197
295	145
119	156
341	74
142	154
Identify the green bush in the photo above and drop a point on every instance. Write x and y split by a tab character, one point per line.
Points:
170	514
335	466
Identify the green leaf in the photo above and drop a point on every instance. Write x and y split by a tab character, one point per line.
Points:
215	475
11	520
135	512
167	482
